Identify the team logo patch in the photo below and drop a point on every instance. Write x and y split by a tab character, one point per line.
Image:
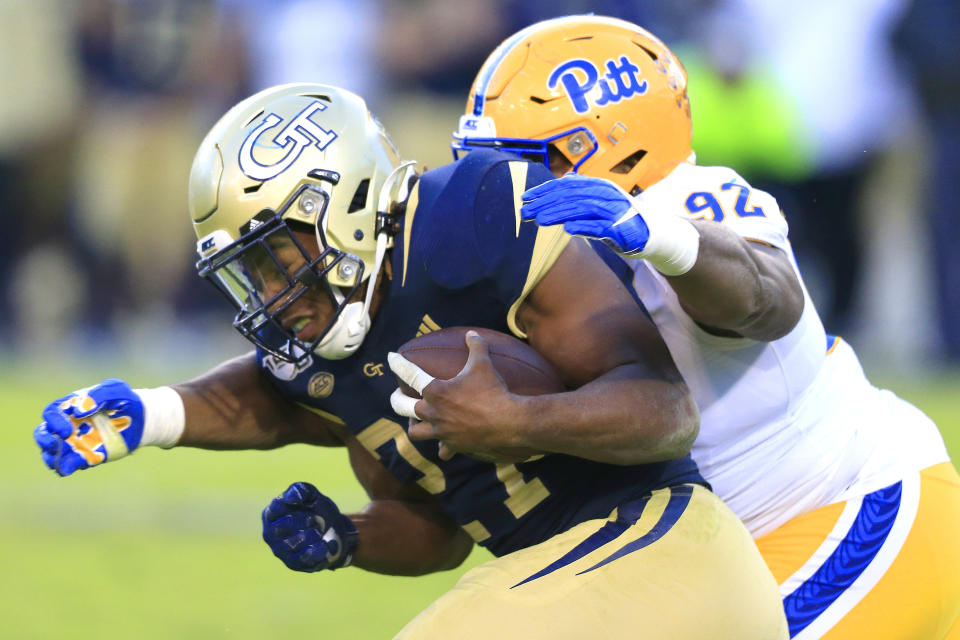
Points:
320	385
373	369
583	83
297	135
283	370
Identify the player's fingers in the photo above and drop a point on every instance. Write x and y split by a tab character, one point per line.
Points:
301	494
49	459
550	187
445	452
550	218
588	228
287	525
552	201
404	405
314	557
278	508
410	373
109	390
538	191
478	351
56	420
47	441
69	462
286	546
422	431
567	184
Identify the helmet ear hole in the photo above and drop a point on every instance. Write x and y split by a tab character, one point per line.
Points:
559	163
359	201
627	164
299	225
653	56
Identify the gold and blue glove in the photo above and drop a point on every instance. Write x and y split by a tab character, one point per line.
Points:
306	530
105	422
90	426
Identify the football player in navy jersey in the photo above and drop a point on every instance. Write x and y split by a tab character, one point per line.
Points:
335	253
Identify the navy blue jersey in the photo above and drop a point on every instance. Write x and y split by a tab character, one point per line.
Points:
463	257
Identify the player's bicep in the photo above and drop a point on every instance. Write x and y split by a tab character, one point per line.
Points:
236	406
775	265
583	319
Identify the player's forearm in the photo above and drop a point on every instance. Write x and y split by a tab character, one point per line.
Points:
616	419
736	287
407	539
234	407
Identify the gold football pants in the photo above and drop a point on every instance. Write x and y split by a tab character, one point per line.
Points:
677	565
885	566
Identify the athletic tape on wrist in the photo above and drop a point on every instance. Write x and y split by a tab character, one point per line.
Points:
673	245
163	417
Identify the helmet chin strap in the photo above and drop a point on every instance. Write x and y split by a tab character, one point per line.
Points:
353	323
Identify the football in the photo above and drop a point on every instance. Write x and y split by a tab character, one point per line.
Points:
443	354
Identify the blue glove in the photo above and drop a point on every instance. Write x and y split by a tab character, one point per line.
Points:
90	426
306	530
591	207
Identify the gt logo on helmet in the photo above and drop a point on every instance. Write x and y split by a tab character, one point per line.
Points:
621	81
293	138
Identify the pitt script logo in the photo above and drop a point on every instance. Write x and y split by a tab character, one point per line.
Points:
299	134
583	82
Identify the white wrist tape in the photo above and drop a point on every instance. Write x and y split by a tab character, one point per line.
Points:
163	417
673	244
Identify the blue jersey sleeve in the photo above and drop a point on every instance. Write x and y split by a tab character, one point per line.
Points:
468	230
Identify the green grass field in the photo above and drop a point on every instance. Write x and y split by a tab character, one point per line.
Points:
167	544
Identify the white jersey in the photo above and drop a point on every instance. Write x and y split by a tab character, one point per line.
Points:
786	426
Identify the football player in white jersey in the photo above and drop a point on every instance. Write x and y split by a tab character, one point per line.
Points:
847	489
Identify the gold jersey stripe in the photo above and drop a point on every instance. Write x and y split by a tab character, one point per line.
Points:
322	413
412	203
518	174
550	243
476	531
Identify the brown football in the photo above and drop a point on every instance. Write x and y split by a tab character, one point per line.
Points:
443	354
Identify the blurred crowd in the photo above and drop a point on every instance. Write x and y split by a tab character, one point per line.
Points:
847	112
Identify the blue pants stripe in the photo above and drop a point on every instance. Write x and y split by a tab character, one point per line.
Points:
628	515
859	546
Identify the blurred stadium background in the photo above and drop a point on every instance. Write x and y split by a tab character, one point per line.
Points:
847	112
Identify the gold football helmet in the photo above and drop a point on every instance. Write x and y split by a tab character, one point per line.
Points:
287	166
606	94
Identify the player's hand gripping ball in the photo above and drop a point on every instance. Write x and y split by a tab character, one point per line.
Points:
306	530
90	426
444	359
591	207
